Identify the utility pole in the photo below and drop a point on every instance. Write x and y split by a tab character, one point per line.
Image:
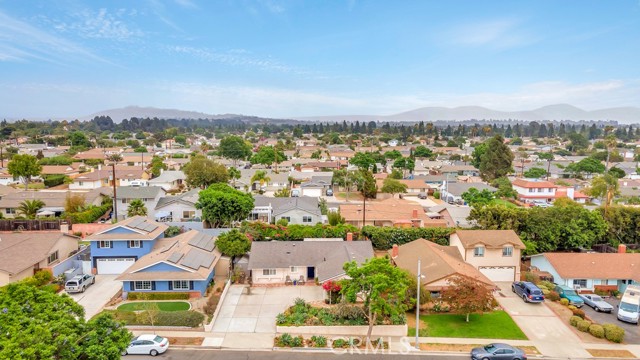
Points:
418	309
115	196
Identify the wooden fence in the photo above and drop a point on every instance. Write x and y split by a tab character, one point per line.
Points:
30	225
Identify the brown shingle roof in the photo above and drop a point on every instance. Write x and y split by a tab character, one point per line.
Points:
595	265
490	238
19	251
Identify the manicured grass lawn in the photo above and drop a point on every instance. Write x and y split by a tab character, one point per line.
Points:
505	203
494	325
162	306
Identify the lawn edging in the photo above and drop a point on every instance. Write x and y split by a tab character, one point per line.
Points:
153	301
209	326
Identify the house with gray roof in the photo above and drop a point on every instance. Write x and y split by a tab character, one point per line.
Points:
278	262
150	195
54	200
452	192
181	207
296	210
169	180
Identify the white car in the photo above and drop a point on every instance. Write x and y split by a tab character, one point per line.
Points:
147	345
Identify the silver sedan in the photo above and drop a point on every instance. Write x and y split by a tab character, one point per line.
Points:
596	302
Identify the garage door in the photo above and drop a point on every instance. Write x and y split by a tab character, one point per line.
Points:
312	192
113	266
499	273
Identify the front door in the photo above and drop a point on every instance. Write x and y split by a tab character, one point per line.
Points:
311	273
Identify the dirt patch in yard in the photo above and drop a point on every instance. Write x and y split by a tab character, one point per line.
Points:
564	314
603	353
465	348
186	341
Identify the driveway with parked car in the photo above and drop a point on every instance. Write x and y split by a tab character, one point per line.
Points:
631	331
96	296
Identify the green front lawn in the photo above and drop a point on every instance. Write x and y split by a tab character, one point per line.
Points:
494	325
504	203
162	306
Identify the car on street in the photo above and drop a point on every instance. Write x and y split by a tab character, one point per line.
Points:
147	344
79	283
498	351
528	291
596	302
568	293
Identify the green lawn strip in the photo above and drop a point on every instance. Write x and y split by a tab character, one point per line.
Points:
162	306
494	325
504	203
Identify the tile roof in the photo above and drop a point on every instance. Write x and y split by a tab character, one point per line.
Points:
530	183
490	238
595	265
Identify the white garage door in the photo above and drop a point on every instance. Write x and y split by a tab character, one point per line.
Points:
312	192
113	266
499	273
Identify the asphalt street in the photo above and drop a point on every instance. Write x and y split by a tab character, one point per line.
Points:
631	331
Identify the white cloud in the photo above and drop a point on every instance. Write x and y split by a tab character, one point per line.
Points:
100	24
498	34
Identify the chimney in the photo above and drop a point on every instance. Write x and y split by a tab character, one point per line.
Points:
349	236
99	167
415	214
622	249
395	251
64	228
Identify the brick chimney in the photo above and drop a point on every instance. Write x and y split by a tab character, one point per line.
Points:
349	236
395	251
415	214
622	249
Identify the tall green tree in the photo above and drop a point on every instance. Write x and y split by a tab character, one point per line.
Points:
587	165
393	186
474	197
605	187
233	243
422	151
535	173
24	167
380	286
157	166
202	172
39	324
496	160
235	148
268	155
366	183
476	155
223	205
363	160
29	208
136	208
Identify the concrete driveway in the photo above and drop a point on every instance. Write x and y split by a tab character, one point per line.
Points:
631	331
549	333
97	295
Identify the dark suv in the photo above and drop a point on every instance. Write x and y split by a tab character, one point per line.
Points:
529	292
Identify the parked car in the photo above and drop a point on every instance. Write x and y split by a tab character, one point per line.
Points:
79	283
597	303
329	192
498	351
422	195
528	291
147	344
568	293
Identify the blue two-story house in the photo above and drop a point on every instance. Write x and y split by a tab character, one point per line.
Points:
118	247
185	263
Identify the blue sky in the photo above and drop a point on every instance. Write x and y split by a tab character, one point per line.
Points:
296	58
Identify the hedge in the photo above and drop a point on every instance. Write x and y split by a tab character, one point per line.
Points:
54	180
88	216
157	296
613	333
189	318
383	238
260	231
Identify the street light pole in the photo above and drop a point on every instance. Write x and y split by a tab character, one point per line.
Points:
418	309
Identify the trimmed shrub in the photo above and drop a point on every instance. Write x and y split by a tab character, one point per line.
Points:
88	216
318	341
383	238
613	333
564	301
571	307
54	180
553	296
573	321
579	313
157	296
583	325
548	284
596	330
545	292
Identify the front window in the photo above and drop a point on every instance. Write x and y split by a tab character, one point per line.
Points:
294	269
80	183
181	285
478	251
142	285
10	210
124	201
507	251
188	214
531	190
540	190
135	244
104	244
268	272
580	282
306	219
53	257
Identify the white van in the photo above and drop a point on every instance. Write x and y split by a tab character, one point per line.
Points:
629	308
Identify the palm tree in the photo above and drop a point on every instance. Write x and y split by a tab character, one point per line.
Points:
136	207
260	176
29	208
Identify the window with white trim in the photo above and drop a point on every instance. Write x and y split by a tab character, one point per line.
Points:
580	282
540	190
188	214
307	219
104	244
507	251
531	190
293	269
180	285
135	244
80	183
478	251
142	285
10	210
268	272
52	257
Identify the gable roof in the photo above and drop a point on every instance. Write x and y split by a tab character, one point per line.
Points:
595	265
489	238
139	192
51	198
20	251
327	257
436	262
190	198
142	228
281	205
533	184
193	254
168	176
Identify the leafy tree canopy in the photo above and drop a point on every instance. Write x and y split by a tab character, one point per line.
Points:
202	172
393	186
24	166
267	155
467	296
233	243
222	205
535	173
363	161
235	148
474	197
422	151
496	160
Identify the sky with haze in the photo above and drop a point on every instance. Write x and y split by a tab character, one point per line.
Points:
284	58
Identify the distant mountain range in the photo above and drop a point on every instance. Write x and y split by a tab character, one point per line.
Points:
560	112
